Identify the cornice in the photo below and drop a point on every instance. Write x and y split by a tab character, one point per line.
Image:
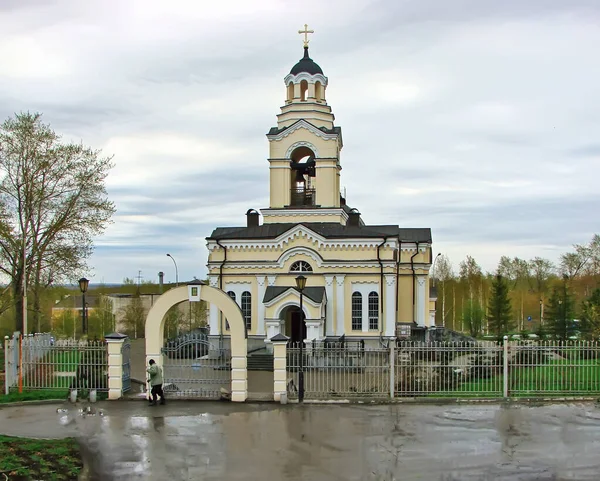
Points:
302	232
305	76
304	212
302	124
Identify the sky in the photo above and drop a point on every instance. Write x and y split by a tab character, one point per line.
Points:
477	118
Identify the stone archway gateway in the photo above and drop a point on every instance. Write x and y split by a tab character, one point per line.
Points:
155	322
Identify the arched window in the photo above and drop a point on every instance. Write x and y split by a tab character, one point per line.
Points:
318	91
290	91
303	90
232	295
373	311
356	311
247	309
301	266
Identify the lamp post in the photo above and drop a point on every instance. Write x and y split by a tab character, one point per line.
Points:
83	287
300	285
176	273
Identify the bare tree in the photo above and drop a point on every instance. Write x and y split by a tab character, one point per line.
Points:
444	273
52	203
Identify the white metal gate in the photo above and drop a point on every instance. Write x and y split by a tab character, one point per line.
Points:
192	369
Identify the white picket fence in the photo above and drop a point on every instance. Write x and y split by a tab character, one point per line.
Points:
38	362
447	370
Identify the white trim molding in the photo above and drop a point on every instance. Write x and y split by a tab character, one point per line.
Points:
310	78
365	288
295	251
300	231
304	213
301	143
302	124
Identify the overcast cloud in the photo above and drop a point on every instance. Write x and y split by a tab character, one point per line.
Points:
477	118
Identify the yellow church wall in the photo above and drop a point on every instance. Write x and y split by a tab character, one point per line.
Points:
325	182
405	305
325	148
279	183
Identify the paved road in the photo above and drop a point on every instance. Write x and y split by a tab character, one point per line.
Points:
224	441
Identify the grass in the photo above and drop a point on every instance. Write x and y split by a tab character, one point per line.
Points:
560	377
37	395
29	459
564	377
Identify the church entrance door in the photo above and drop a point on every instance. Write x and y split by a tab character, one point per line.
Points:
298	325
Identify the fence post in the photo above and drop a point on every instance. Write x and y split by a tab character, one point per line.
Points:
279	343
6	370
505	367
392	369
114	343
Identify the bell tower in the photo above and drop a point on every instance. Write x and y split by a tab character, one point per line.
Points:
305	150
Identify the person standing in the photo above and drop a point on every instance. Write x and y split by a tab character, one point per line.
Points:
156	382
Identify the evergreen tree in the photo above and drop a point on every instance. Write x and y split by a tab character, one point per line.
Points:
499	310
559	313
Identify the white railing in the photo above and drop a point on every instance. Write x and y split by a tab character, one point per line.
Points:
38	362
413	369
554	368
457	369
337	371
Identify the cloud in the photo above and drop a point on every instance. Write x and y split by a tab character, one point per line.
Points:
471	117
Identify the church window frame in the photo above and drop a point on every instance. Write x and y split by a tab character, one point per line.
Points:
246	306
301	266
232	295
373	311
357	313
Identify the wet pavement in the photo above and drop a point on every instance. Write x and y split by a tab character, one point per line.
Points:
225	441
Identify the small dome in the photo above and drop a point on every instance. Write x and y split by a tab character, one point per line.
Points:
306	64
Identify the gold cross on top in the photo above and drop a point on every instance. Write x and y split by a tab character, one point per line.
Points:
306	31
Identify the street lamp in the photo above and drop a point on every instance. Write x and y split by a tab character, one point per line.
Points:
83	287
176	273
300	285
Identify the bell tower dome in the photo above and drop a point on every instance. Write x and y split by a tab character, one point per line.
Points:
305	149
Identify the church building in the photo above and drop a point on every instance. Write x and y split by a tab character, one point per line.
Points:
364	282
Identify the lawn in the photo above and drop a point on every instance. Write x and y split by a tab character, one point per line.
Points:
37	395
564	377
29	459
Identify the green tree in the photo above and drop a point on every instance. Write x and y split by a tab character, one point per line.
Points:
590	317
499	311
174	321
53	202
134	318
101	318
558	317
473	316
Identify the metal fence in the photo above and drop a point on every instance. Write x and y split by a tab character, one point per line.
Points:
554	368
414	369
337	370
38	362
